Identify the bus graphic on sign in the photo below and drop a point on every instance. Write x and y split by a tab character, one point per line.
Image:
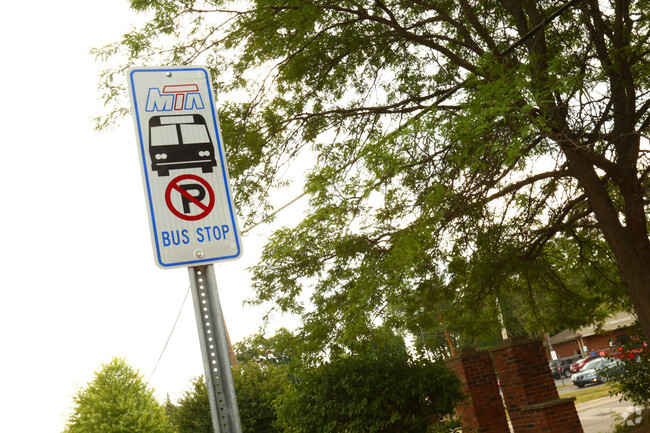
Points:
177	142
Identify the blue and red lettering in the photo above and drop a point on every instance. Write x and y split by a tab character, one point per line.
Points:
174	98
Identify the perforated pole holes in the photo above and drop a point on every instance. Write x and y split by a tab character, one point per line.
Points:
214	348
213	353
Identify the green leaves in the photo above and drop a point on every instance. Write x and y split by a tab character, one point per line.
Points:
257	386
632	382
191	414
376	391
451	169
117	401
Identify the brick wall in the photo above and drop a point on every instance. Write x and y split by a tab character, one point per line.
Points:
529	391
567	349
596	343
559	416
483	411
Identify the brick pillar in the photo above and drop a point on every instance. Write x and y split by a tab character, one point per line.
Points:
529	391
483	411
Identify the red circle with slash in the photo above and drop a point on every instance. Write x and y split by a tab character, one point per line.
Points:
188	200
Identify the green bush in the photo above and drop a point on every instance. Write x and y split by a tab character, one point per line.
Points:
117	400
256	385
192	413
388	393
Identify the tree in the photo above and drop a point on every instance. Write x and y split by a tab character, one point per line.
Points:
261	376
467	155
279	349
257	387
191	414
376	391
117	401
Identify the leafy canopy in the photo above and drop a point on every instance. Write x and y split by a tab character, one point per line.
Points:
117	401
374	391
460	154
191	414
257	387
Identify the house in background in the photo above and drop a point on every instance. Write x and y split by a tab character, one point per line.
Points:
588	340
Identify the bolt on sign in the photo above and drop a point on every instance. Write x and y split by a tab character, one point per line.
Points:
191	212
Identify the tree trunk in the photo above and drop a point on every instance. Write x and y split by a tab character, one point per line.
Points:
627	239
636	277
629	244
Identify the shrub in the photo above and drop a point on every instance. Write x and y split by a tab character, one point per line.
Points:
365	394
634	383
117	401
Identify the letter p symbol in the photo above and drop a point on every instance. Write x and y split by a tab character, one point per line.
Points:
199	196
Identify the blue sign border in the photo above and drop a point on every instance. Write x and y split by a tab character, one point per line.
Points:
146	171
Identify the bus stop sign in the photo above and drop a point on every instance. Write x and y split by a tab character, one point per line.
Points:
191	213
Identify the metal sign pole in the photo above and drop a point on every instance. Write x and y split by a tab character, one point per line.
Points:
214	350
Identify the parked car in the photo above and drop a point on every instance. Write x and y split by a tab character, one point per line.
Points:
577	366
596	371
560	367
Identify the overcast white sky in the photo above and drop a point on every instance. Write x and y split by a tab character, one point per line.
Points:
78	281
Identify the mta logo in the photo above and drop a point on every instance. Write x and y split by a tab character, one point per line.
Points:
175	97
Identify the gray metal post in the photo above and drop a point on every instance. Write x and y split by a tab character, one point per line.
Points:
214	349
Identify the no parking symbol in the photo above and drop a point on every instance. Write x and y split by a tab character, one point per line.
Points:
189	197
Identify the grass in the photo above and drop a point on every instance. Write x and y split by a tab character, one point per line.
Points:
588	393
593	392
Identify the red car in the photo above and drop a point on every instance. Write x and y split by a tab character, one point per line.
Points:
577	366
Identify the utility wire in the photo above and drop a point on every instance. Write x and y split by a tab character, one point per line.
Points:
274	213
189	288
170	334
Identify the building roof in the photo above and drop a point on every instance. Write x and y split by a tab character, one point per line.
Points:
613	322
564	336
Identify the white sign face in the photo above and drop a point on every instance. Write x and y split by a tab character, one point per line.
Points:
192	217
